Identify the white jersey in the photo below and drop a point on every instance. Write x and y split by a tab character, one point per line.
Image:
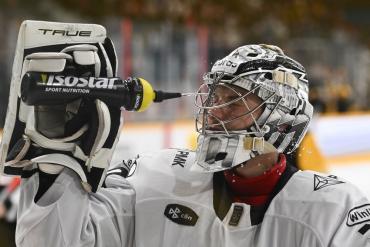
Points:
162	203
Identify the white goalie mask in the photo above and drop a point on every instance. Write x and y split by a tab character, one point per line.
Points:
275	121
81	134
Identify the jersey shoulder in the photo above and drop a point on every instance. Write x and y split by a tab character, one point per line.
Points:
319	202
312	186
167	173
167	159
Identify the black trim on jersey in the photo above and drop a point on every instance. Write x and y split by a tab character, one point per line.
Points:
221	195
258	212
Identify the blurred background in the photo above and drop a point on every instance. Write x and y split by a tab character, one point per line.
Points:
171	43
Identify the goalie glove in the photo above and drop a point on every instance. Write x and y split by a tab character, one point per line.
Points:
85	129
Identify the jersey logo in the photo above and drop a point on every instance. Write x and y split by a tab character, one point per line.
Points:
180	158
126	169
131	165
181	214
358	215
322	182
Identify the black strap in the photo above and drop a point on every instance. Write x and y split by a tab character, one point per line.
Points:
221	195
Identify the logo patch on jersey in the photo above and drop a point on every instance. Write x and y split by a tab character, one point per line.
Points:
126	169
131	165
237	214
180	158
358	215
181	214
322	182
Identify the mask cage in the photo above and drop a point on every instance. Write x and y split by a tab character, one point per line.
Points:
206	101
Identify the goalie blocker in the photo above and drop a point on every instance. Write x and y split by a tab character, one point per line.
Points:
78	132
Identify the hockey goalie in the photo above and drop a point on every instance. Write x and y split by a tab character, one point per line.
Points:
235	189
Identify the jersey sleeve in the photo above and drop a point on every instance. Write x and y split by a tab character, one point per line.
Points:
66	215
354	228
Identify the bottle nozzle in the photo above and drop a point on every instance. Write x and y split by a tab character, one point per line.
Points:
150	95
160	95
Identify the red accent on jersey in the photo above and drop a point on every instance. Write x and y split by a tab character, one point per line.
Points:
255	191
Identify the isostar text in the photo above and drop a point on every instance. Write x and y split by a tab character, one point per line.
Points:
80	82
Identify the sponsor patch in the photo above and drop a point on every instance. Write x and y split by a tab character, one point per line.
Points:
225	65
358	215
322	182
181	214
180	158
237	214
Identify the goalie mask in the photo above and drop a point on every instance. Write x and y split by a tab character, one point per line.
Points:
260	88
85	129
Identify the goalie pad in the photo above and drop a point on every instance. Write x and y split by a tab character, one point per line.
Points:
86	130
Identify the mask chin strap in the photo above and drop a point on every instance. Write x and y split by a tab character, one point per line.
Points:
259	145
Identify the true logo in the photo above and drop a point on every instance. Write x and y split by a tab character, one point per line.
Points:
82	33
322	182
358	215
181	214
